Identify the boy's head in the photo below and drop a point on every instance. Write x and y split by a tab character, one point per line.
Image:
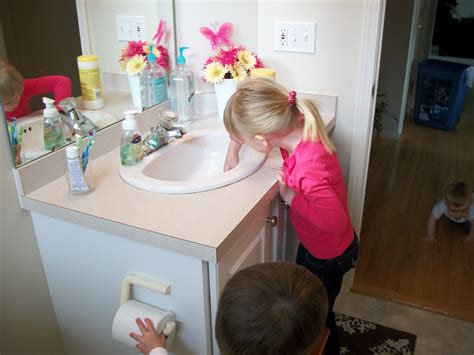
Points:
271	308
458	198
11	86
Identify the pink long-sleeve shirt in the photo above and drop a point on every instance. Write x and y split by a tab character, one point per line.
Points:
59	86
318	212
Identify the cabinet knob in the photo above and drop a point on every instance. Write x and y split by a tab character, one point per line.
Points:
272	220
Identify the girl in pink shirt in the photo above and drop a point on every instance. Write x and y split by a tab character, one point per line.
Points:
16	92
264	115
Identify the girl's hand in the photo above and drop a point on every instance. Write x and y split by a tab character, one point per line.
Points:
231	161
149	340
286	193
469	240
232	157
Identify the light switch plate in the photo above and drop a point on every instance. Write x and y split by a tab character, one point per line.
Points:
130	28
295	37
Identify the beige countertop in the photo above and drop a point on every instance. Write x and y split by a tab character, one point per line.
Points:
202	225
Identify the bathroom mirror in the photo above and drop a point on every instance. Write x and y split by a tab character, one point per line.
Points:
45	37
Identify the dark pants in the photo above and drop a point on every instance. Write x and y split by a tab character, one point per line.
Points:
330	272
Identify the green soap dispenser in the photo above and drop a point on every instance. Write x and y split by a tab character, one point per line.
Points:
182	90
53	130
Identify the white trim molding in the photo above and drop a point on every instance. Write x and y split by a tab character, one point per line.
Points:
365	106
83	21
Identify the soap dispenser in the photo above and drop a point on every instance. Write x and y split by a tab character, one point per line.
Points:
131	144
182	90
156	85
53	130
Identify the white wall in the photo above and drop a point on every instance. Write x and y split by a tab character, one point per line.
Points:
334	68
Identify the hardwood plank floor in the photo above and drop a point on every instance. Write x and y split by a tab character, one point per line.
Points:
406	178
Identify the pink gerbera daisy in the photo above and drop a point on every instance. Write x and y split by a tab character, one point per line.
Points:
132	49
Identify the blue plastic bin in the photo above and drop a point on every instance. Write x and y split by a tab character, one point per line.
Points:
440	91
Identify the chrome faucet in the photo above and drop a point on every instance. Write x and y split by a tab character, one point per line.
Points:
75	120
163	132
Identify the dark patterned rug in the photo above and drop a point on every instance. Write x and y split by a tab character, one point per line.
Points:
361	337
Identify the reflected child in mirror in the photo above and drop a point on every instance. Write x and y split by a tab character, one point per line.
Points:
16	92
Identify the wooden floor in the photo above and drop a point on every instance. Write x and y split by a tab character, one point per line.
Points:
406	178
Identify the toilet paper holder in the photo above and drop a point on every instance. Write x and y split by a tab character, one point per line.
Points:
141	281
167	324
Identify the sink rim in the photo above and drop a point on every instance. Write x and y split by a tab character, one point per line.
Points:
134	175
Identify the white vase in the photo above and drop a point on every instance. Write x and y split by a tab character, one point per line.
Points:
224	91
135	90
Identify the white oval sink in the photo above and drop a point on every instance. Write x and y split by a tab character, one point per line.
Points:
193	163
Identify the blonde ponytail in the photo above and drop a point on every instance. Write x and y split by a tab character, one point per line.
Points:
314	129
261	106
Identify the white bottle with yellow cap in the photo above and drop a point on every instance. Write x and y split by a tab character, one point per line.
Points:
89	76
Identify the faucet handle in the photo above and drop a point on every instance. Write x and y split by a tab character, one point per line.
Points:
67	104
167	119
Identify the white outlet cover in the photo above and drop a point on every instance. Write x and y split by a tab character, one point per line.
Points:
300	37
130	28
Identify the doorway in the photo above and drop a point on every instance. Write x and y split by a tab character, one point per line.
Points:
406	177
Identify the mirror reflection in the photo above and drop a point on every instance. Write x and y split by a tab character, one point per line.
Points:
62	74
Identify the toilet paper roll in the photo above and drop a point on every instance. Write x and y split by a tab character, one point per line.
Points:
124	321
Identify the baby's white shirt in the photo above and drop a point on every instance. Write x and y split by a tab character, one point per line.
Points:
440	209
159	351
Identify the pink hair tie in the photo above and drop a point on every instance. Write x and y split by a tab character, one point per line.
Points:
292	98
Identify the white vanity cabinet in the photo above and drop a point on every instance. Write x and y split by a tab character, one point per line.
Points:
85	268
193	242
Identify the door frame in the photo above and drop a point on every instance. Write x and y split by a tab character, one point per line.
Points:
374	15
415	23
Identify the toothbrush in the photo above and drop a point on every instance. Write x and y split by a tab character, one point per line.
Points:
85	154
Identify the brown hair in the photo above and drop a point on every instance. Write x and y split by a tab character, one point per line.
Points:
458	194
11	81
260	106
270	309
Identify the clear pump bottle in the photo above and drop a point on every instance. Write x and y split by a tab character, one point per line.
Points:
155	80
53	130
182	90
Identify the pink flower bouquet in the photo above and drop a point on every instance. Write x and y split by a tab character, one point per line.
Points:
134	56
228	61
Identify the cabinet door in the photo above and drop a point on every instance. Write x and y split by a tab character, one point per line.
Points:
278	233
253	247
